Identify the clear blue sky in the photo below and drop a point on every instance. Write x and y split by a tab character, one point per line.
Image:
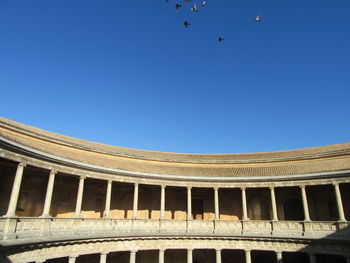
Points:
128	73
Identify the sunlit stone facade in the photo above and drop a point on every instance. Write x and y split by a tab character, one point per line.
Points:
69	200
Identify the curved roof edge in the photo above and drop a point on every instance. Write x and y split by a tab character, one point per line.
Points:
298	154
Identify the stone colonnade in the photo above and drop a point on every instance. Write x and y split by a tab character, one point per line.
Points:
19	174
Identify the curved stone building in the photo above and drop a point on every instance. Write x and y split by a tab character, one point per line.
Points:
68	200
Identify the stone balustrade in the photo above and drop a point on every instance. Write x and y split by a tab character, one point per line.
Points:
17	229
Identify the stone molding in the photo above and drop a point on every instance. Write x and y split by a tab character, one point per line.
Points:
107	245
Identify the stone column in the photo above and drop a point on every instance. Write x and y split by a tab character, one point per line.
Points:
247	256
216	202
161	255
218	256
103	257
80	196
136	197
162	201
244	204
312	258
279	257
305	205
339	203
108	199
48	198
71	259
133	256
273	202
189	256
189	203
11	211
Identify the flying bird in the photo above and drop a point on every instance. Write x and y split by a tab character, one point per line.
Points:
221	39
177	6
187	24
194	8
258	18
204	3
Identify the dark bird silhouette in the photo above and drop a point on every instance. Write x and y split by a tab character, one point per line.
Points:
177	6
187	24
221	39
204	3
194	8
258	18
186	1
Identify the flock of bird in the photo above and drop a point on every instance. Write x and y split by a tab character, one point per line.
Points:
194	8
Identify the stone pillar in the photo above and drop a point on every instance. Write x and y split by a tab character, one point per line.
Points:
108	199
218	256
136	199
80	196
11	211
273	202
305	205
133	256
244	204
216	202
312	258
162	201
161	255
71	259
339	203
189	203
103	257
48	198
248	258
279	257
189	256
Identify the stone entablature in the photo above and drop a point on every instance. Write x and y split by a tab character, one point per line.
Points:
40	253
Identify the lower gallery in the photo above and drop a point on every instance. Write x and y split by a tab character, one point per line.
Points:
67	200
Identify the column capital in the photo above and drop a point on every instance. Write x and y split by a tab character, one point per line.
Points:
335	183
272	187
136	184
82	177
162	186
133	251
243	188
218	249
189	187
247	250
216	188
109	181
162	249
53	171
22	164
104	253
302	186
